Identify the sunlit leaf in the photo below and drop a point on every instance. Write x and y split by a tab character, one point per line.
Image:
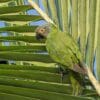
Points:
91	38
20	18
14	9
21	29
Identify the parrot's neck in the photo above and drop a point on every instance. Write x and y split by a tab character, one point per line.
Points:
54	31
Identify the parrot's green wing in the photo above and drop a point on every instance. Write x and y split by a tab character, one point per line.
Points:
62	48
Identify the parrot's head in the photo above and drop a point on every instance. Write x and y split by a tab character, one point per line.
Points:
42	32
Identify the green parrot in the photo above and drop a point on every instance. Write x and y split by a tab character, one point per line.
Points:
64	50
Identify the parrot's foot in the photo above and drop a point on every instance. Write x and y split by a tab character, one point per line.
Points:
62	72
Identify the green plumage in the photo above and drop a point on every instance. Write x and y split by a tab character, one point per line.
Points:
63	50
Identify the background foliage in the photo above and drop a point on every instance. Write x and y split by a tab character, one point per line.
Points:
30	73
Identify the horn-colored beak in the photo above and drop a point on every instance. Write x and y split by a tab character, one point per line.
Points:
39	37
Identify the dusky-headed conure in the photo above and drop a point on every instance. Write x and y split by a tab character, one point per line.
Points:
64	50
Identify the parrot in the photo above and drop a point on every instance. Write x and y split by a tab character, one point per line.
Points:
64	50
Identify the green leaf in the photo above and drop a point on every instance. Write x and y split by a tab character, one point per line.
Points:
98	41
7	96
20	17
32	74
33	84
91	38
44	95
82	26
23	48
14	9
25	57
9	80
75	19
52	10
39	85
30	39
64	13
59	13
50	69
19	29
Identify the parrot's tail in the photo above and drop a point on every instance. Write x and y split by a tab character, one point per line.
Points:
92	78
80	69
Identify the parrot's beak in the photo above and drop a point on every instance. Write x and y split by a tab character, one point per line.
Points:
39	37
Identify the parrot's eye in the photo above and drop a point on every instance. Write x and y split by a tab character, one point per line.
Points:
42	30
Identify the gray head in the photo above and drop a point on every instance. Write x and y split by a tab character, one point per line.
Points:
42	32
